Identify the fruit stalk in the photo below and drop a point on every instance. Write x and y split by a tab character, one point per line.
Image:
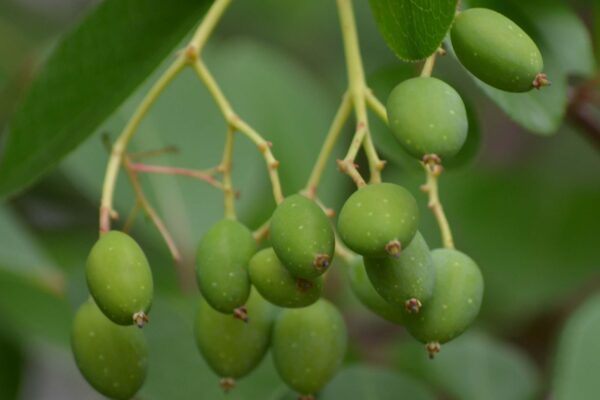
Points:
212	17
236	123
225	168
428	66
433	170
143	203
358	89
206	176
343	112
119	149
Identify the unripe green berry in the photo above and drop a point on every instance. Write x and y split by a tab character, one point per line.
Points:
302	237
119	278
112	358
275	283
309	345
427	116
379	220
222	265
366	293
231	347
455	303
496	50
406	281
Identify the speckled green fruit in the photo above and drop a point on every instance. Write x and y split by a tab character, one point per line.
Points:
427	116
275	283
366	293
379	220
112	358
119	278
309	345
456	299
231	347
222	265
406	281
302	237
496	50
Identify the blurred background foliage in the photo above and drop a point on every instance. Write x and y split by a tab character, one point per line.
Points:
523	199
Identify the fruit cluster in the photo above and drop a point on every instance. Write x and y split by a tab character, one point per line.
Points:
255	300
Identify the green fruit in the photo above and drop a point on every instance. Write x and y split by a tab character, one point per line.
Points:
379	220
222	265
112	358
496	50
366	293
302	237
455	303
427	116
309	345
231	347
406	281
274	282
119	278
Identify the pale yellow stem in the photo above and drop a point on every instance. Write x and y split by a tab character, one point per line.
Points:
234	121
433	171
229	193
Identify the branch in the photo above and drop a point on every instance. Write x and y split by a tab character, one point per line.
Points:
433	170
143	203
235	122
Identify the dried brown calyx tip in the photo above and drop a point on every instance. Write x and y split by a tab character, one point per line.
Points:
303	284
393	248
541	80
432	159
306	397
227	384
433	348
321	262
413	306
140	319
434	163
241	313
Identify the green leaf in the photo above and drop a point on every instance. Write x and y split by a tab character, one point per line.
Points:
566	47
473	367
88	75
413	29
366	383
578	357
11	367
19	251
30	301
31	309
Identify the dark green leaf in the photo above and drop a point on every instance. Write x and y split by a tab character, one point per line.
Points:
578	358
566	46
366	383
473	367
30	308
413	29
30	301
11	365
89	74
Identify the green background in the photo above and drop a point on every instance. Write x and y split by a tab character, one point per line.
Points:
523	200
